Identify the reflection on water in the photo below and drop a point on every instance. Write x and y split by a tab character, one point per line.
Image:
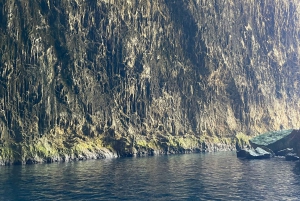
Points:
297	168
218	176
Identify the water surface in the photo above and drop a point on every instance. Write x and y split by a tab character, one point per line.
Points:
214	176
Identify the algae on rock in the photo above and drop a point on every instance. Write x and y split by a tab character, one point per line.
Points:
129	76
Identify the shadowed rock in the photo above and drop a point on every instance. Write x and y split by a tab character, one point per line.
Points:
257	153
243	153
95	79
278	140
291	157
284	152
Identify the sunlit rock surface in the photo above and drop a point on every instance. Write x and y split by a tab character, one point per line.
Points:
257	153
280	142
131	77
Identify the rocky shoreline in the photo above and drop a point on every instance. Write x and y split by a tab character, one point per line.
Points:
142	78
282	143
107	153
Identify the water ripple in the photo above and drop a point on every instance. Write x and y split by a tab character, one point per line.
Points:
219	176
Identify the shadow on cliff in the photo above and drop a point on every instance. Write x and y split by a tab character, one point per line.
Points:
185	23
195	50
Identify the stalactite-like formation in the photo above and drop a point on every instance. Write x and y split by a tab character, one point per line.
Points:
134	71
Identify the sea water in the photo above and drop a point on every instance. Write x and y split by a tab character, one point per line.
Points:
209	176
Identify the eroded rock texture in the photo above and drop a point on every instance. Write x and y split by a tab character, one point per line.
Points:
161	75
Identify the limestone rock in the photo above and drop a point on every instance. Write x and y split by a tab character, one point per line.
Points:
278	140
81	76
257	153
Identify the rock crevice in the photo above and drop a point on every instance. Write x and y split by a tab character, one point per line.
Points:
131	74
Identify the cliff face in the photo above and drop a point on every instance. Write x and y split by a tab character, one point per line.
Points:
81	79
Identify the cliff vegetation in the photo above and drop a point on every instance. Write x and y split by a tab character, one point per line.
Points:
93	79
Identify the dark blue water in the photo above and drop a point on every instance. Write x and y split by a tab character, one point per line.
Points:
217	176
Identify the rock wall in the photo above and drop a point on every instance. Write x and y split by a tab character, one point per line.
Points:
139	76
